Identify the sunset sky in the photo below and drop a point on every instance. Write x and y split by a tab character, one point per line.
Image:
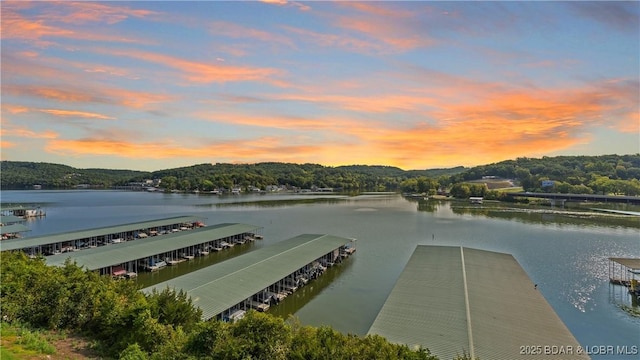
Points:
155	85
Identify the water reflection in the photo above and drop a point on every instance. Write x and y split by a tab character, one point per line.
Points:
146	279
304	295
276	202
532	214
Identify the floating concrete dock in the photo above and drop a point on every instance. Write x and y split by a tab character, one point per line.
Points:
227	289
90	238
454	300
134	256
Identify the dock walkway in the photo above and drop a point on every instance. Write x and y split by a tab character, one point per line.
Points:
454	299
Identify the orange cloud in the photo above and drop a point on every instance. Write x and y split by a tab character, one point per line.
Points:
15	109
260	149
335	40
234	30
376	10
13	131
395	35
203	72
74	113
127	98
378	103
6	144
15	26
299	5
86	12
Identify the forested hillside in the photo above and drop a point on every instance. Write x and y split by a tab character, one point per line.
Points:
23	175
205	177
605	174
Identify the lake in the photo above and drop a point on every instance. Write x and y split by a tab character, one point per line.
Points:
565	256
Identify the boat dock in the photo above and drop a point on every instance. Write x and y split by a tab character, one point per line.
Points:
453	300
153	253
11	227
259	278
23	211
626	272
97	237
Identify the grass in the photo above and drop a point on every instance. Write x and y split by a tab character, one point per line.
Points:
17	342
34	340
7	355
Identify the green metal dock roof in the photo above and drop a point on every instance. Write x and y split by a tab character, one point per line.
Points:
221	286
110	255
453	299
17	244
13	228
9	219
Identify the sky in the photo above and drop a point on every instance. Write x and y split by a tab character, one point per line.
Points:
154	85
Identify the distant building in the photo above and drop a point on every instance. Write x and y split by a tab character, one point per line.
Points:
548	183
475	199
272	188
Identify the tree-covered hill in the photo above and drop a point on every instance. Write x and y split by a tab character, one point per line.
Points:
605	174
205	177
24	175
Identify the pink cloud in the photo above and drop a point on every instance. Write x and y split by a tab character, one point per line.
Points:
236	31
203	72
41	29
22	132
75	113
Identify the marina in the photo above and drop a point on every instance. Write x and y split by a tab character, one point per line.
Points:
260	278
91	238
456	300
153	253
567	257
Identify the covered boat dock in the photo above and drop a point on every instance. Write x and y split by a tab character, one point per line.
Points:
96	237
13	231
144	254
626	272
260	277
455	300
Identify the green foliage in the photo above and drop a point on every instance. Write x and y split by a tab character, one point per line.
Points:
173	308
33	340
207	177
133	352
23	175
605	174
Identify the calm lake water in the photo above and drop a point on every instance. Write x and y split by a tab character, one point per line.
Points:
566	257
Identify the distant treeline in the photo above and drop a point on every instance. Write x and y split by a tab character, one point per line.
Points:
605	174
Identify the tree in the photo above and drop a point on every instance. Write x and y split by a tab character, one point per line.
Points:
461	191
262	336
173	308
